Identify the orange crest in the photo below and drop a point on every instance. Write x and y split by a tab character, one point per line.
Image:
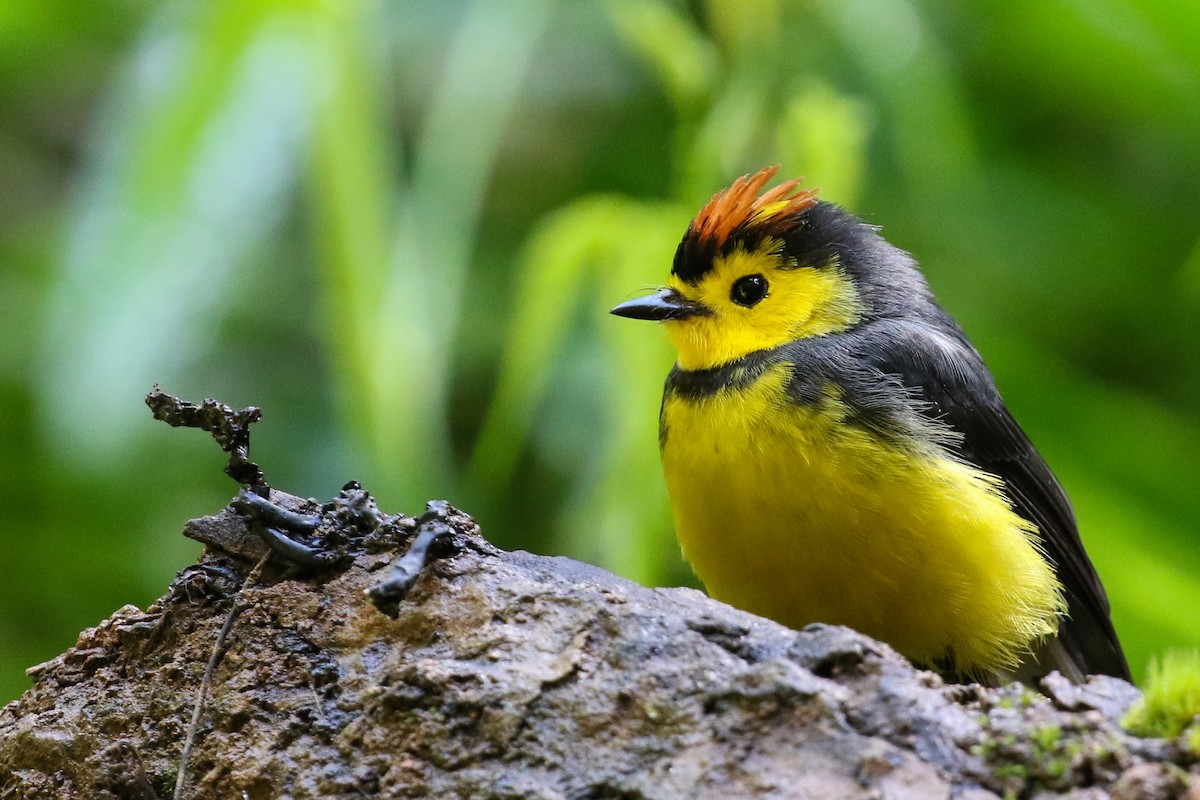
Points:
740	205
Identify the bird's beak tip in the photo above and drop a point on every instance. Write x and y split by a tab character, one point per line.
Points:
665	304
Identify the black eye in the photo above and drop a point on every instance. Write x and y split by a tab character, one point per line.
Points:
748	290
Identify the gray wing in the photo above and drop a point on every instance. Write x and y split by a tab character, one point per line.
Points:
941	368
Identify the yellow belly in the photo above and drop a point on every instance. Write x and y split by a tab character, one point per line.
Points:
786	511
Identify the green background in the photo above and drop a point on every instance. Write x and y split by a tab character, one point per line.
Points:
398	228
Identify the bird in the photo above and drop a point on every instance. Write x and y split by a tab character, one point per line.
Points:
836	451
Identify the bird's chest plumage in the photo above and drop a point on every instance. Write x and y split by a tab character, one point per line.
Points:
791	511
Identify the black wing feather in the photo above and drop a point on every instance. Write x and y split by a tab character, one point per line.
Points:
934	358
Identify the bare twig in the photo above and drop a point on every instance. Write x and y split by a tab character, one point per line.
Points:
230	429
404	571
239	604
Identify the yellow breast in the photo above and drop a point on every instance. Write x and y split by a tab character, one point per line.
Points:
790	512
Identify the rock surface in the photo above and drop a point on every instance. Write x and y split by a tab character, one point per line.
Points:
510	675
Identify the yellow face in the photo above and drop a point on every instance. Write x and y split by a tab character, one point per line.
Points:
756	300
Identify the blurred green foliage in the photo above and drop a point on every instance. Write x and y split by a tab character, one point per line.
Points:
398	227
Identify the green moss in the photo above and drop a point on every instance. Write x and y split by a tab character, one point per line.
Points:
1172	696
1046	738
1006	771
1041	758
1024	699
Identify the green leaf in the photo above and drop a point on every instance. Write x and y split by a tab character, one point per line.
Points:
673	48
823	135
615	244
201	144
